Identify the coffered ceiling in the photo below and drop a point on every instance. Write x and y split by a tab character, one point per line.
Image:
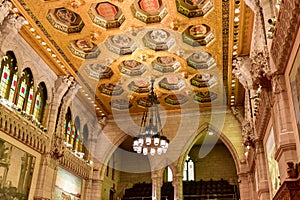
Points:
113	49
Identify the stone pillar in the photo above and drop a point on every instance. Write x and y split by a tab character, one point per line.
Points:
46	178
245	193
156	187
96	189
261	165
283	128
4	10
178	186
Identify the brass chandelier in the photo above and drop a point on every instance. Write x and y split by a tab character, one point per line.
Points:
151	139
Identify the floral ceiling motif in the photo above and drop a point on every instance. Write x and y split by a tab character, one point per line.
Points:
65	20
205	96
176	99
139	86
201	60
198	35
165	64
111	89
194	8
131	68
84	48
203	80
106	15
120	44
149	11
121	104
158	40
171	83
99	71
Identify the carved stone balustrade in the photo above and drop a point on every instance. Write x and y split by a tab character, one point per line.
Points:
20	127
75	164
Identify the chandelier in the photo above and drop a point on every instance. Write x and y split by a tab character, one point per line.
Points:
150	139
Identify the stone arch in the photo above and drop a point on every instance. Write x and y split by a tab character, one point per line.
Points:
202	129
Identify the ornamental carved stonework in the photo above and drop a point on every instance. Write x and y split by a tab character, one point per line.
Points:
260	67
247	134
287	27
241	73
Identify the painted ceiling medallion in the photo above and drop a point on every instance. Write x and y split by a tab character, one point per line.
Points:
171	83
120	44
111	89
198	35
149	11
84	48
99	71
203	80
158	40
165	64
201	60
106	15
194	8
139	86
176	99
65	20
131	67
205	96
120	104
143	102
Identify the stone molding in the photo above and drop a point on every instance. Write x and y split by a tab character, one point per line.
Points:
283	148
287	26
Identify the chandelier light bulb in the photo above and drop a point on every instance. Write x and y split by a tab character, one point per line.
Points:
145	151
148	140
152	151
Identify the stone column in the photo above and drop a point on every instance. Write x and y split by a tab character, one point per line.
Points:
96	189
261	165
156	187
283	128
46	178
245	193
178	186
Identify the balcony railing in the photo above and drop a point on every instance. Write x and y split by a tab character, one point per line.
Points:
22	126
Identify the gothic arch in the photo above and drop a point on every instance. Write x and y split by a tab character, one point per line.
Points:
204	127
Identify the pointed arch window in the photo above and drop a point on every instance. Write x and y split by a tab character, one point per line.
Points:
68	126
13	87
24	89
76	136
29	100
40	102
188	172
8	74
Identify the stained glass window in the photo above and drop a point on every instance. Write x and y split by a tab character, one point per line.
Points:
8	72
24	90
4	80
40	101
22	94
13	87
29	100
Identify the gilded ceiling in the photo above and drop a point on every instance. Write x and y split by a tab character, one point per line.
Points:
113	49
